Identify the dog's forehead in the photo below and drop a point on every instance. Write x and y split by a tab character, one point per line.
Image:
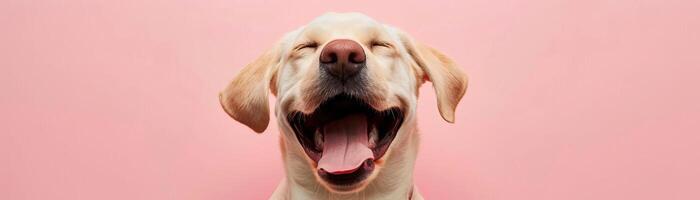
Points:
343	18
342	25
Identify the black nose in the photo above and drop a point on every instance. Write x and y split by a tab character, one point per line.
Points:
342	58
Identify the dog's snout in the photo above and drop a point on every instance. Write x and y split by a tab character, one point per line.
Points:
342	58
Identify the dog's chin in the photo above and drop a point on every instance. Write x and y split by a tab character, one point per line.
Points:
346	139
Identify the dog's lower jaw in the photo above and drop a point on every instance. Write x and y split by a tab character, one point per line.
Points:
394	180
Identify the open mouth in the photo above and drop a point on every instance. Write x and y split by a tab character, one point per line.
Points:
344	136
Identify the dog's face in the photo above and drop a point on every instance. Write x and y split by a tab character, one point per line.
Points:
346	90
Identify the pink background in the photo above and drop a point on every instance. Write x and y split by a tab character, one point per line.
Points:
567	99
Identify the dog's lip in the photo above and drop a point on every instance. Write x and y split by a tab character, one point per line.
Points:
348	181
393	114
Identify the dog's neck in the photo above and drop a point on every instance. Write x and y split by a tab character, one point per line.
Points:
394	182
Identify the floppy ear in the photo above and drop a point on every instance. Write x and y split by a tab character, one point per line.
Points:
245	99
449	82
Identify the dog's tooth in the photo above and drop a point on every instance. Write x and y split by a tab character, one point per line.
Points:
318	139
373	137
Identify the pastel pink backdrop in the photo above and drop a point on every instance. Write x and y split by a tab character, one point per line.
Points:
567	99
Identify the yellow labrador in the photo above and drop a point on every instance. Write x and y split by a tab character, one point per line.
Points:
346	89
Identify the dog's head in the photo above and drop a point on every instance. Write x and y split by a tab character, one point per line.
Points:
346	86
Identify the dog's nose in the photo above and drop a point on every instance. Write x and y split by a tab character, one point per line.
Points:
343	58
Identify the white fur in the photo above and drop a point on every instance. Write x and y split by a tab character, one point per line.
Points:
394	75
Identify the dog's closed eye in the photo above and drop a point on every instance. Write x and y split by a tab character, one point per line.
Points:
381	47
306	45
381	44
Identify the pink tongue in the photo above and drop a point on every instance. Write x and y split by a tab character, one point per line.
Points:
345	145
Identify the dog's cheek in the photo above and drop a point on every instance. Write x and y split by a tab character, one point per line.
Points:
379	85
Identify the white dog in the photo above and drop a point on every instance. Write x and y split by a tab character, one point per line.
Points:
346	89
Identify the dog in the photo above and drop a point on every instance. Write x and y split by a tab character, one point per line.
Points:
346	88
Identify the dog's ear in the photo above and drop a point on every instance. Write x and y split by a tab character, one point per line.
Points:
449	82
245	99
